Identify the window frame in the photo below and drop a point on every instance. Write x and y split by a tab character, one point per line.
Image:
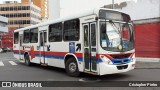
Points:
56	24
24	36
17	38
77	29
33	35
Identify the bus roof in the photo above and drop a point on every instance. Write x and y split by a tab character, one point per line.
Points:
82	14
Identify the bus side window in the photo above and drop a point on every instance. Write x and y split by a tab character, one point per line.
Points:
16	37
34	35
26	36
55	32
45	37
71	30
41	39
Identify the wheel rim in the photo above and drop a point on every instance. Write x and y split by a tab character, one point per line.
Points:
72	67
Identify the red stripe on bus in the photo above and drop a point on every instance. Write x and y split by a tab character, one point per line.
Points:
79	55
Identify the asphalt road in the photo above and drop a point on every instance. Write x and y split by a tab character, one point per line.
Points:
13	70
21	72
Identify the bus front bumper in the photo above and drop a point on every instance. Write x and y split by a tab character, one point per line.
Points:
111	69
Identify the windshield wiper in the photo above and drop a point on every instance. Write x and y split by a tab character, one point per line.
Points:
119	31
114	26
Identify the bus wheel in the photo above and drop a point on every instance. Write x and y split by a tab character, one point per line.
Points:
27	60
72	67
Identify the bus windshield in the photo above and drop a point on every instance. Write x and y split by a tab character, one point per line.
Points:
117	37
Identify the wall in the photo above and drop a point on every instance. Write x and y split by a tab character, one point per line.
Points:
147	38
146	16
43	4
142	9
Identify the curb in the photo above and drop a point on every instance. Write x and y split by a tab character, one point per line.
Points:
147	63
140	59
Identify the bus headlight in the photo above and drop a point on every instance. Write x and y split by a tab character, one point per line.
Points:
105	59
132	57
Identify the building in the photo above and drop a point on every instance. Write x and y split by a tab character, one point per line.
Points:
3	23
43	4
3	29
20	14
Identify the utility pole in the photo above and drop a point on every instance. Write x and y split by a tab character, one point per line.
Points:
112	4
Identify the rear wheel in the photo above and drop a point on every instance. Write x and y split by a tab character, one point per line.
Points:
27	60
72	67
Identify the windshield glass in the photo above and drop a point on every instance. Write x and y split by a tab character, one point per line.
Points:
116	37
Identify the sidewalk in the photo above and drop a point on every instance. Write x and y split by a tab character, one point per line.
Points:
147	63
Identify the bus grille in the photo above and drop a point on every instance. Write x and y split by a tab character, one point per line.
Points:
120	61
120	56
122	67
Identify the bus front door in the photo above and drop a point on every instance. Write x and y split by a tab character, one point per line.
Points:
43	48
89	55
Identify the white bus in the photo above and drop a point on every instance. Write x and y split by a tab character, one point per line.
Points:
99	42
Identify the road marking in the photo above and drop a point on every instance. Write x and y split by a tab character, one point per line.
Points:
13	63
89	80
1	63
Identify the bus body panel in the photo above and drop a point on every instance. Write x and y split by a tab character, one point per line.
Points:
111	69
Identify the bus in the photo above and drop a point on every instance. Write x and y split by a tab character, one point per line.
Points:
98	42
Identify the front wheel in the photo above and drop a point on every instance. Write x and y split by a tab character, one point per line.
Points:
72	67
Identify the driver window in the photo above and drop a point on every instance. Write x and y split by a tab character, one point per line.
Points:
125	32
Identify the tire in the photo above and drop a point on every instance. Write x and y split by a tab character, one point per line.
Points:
72	67
27	60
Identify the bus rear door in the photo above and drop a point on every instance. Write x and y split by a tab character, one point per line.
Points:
42	46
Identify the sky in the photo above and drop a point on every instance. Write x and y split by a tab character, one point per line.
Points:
67	7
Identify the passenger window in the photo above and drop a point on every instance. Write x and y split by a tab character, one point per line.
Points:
71	30
93	34
16	38
55	32
26	36
34	35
